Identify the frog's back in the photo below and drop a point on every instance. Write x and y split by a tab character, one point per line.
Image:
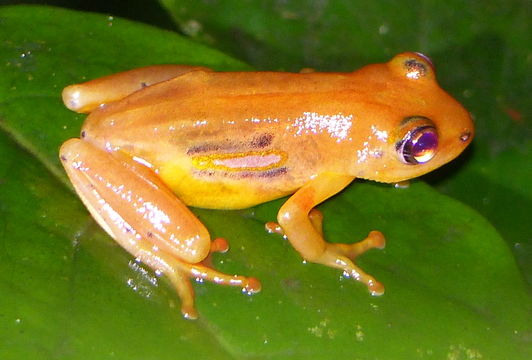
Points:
221	149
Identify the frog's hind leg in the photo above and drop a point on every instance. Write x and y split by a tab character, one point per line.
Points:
87	96
302	225
140	213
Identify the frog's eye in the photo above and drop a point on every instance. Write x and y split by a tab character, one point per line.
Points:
417	67
419	144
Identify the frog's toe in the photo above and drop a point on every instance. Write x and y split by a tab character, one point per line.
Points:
374	240
332	258
181	282
251	286
274	228
219	245
342	256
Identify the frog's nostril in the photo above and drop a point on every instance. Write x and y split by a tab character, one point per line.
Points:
83	134
465	136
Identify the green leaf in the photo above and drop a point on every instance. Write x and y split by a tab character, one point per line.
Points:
69	292
340	34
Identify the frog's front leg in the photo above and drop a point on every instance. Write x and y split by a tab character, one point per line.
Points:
138	211
87	96
302	225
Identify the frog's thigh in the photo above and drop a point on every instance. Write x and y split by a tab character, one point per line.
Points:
137	210
86	96
302	226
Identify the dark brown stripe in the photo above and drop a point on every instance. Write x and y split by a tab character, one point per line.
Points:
258	142
244	174
203	148
261	141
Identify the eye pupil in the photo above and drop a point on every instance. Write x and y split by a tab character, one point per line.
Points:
418	146
423	147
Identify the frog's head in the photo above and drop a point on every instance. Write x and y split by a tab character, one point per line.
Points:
425	126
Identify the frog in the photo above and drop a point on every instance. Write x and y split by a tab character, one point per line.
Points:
161	139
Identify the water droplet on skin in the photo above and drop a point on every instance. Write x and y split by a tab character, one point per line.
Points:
402	184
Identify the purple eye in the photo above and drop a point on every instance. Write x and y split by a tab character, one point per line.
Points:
418	145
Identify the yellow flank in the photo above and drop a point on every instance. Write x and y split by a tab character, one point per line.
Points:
243	161
210	193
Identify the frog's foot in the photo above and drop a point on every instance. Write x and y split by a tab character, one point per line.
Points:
179	274
342	256
375	239
302	225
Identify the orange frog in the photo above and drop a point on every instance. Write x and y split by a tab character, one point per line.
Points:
160	138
